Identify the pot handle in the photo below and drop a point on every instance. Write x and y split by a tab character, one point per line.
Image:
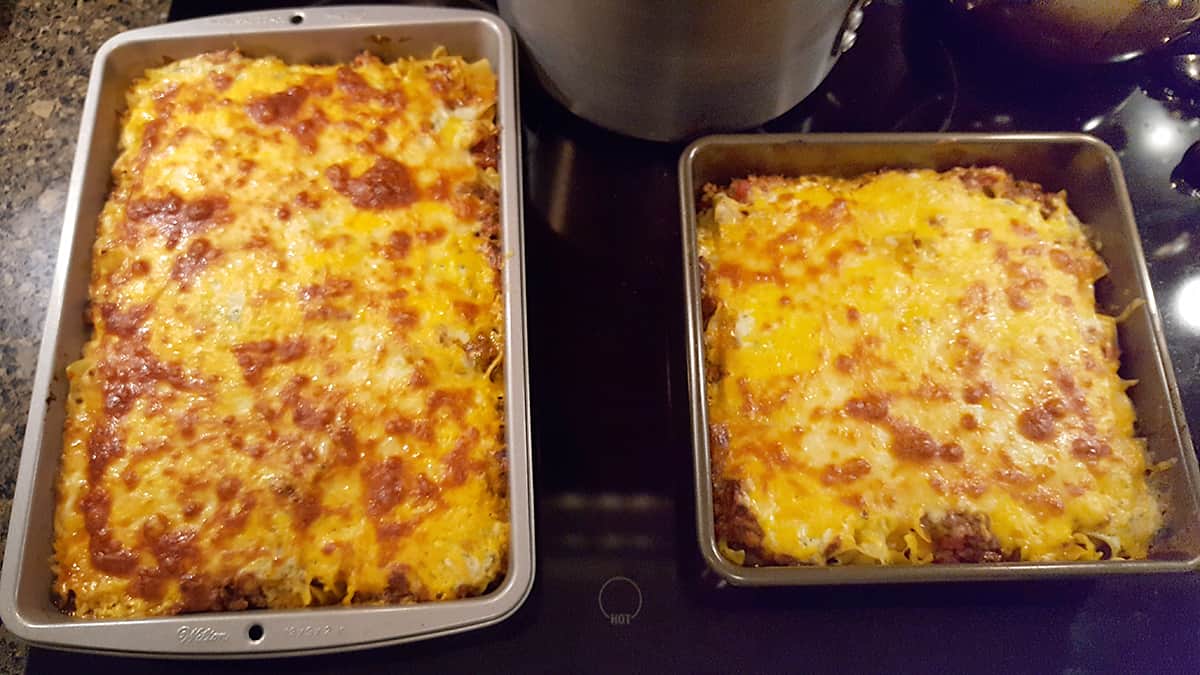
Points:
847	35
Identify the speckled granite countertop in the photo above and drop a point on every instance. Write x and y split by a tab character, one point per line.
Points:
48	47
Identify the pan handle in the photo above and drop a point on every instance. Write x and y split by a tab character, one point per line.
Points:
303	18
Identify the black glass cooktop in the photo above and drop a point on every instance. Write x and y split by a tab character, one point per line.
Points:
620	585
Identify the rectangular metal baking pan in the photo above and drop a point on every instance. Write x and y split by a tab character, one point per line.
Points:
1090	173
322	35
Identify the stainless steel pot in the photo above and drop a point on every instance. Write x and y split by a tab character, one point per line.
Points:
670	69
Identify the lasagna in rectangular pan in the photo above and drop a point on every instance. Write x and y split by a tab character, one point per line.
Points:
292	393
907	367
303	385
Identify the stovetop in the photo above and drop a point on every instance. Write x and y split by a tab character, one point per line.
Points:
620	584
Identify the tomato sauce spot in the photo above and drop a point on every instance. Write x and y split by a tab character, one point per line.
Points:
354	85
455	401
104	445
395	530
929	390
175	218
1036	424
915	444
385	485
446	85
487	151
172	549
405	427
131	370
467	310
873	408
1021	228
432	236
309	415
1090	449
718	435
388	184
228	487
305	200
478	202
220	81
306	508
976	393
277	108
151	134
398	245
405	318
149	584
1086	266
419	379
1017	300
232	518
378	136
975	300
127	322
459	465
107	555
482	351
1044	500
739	189
1076	402
347	445
321	299
255	357
846	472
308	131
199	254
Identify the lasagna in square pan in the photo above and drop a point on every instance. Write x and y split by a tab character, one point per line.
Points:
293	395
908	367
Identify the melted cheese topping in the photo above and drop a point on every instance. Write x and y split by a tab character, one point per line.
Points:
293	395
909	367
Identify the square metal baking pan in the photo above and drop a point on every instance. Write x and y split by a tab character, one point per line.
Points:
1091	174
322	35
